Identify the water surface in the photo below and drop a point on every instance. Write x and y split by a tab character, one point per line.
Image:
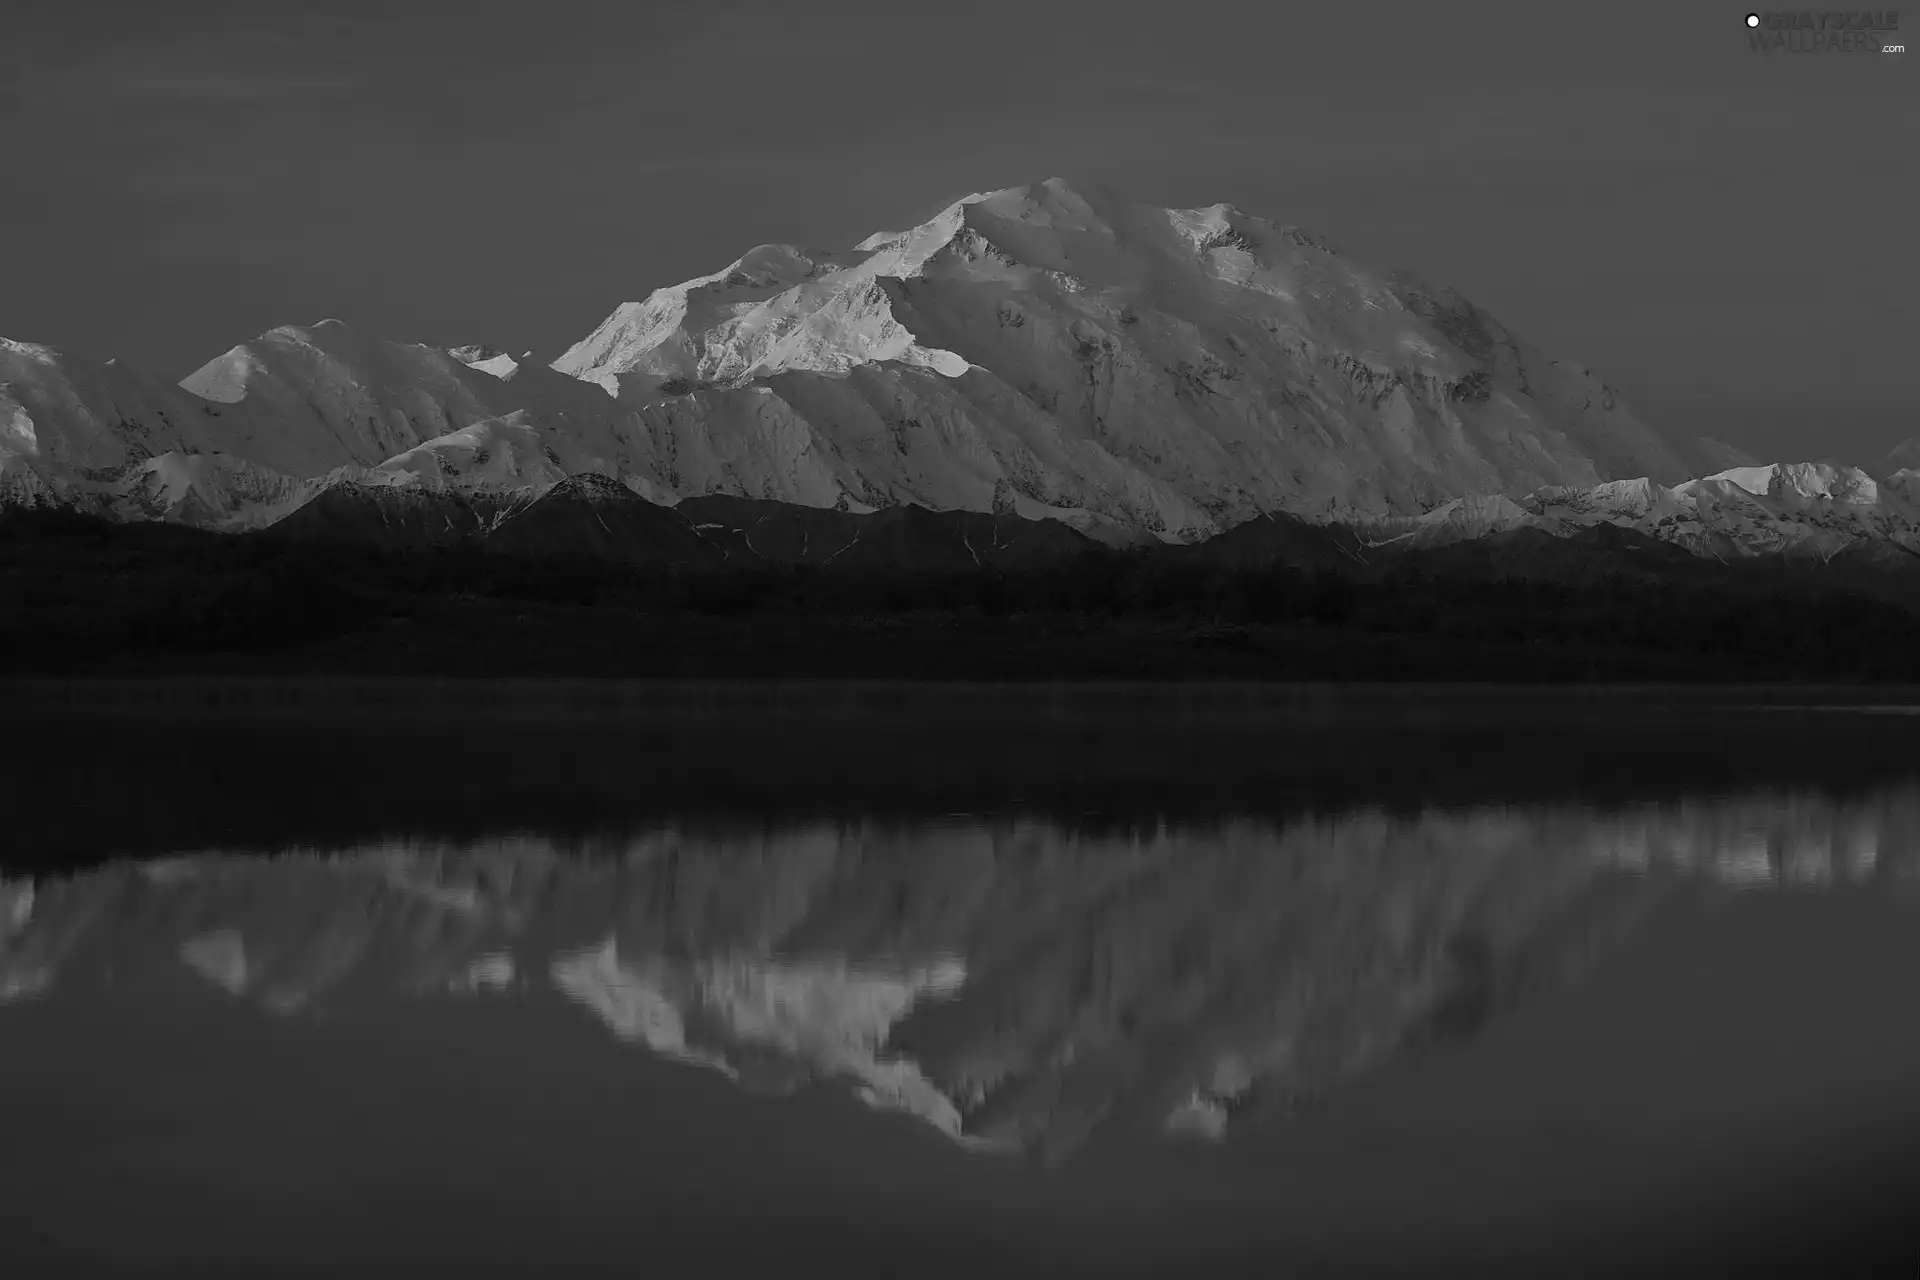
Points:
314	979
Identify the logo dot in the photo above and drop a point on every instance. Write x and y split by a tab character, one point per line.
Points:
1753	19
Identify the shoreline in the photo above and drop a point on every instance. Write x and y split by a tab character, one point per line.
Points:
215	690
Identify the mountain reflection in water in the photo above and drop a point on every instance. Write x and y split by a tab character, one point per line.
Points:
1015	984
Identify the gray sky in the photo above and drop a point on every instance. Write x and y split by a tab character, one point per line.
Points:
1727	236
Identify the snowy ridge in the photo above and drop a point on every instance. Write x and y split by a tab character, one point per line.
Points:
1805	509
205	490
496	453
777	308
1801	509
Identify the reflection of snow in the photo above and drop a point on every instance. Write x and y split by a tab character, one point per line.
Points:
1198	1117
16	906
630	1001
1205	978
301	975
1744	863
1628	848
826	1007
831	1016
19	984
1776	842
837	1018
220	957
1862	851
487	973
1809	860
172	870
26	975
421	876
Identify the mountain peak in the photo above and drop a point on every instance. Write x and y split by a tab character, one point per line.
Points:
1046	204
1199	360
1802	479
486	359
328	330
38	351
1047	189
319	333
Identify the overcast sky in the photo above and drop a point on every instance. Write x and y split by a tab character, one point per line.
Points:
1727	236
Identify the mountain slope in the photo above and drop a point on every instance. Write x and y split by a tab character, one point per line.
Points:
62	411
394	517
757	531
104	438
310	399
594	517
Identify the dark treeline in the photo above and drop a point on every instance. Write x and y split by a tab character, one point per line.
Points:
80	595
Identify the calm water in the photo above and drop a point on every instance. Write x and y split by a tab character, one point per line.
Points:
316	980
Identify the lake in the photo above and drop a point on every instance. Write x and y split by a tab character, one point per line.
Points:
320	978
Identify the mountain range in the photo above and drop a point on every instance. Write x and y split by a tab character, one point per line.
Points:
1027	357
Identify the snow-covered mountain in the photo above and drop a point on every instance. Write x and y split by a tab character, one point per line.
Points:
1139	373
1032	350
1805	510
1015	984
68	414
1175	370
77	432
298	412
